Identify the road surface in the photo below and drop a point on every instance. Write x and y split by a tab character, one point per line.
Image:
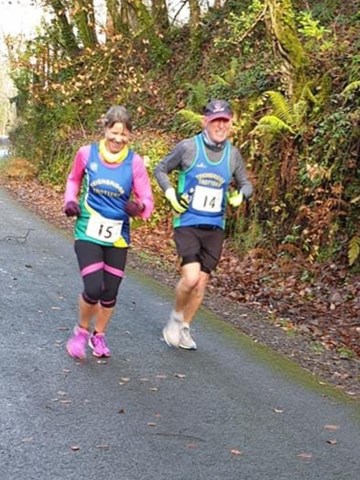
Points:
233	410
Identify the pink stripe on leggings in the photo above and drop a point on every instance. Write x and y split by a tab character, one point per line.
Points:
114	271
94	267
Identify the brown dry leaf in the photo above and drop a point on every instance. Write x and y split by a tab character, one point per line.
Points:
28	439
305	456
332	428
331	442
124	380
236	452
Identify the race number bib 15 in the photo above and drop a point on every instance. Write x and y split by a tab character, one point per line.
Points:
207	199
104	229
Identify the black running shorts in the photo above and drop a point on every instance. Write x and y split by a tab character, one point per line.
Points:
201	244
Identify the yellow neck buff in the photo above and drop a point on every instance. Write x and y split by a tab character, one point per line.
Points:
112	157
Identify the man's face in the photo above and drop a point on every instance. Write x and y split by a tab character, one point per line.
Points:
218	130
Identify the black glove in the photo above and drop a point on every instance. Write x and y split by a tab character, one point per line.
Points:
133	209
72	209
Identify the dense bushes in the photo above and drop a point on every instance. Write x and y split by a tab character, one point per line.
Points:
292	76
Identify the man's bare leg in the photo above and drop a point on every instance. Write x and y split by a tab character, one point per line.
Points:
196	298
189	296
190	276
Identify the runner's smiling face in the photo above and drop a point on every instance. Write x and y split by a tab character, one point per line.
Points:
218	129
116	137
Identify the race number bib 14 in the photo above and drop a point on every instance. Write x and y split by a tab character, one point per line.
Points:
207	199
104	229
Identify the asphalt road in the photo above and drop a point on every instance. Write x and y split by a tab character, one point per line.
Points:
231	411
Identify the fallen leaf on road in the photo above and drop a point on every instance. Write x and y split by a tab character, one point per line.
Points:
331	427
305	456
191	445
235	452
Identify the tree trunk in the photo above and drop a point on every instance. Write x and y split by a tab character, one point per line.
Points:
160	15
68	36
116	18
84	18
286	41
195	14
195	33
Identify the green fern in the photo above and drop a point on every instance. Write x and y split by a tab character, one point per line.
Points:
198	95
288	115
220	80
349	89
307	95
190	116
354	249
229	77
281	106
273	124
233	70
300	109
